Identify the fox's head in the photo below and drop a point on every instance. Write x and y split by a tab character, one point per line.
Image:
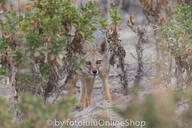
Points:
95	59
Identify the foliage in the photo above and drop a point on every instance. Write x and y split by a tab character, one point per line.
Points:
158	109
43	34
50	22
115	16
34	112
5	117
38	115
3	72
177	32
10	40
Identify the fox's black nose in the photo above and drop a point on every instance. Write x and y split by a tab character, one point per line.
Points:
94	72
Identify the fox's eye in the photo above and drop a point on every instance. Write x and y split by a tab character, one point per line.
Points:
98	61
88	63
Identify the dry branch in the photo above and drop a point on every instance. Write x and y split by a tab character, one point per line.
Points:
60	74
119	51
140	31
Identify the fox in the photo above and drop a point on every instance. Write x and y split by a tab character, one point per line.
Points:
97	63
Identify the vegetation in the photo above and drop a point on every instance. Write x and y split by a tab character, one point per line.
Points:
39	50
43	40
44	37
158	109
177	32
176	38
37	116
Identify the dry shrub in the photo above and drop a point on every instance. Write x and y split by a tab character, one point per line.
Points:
160	107
153	4
156	108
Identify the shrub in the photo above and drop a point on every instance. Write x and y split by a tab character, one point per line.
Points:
48	36
34	112
177	32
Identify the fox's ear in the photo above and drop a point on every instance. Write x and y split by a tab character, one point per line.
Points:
103	47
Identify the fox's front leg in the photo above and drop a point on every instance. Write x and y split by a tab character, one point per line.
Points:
89	89
104	78
81	102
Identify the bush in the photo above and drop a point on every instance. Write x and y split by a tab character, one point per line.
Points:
46	37
177	32
48	33
158	109
34	112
